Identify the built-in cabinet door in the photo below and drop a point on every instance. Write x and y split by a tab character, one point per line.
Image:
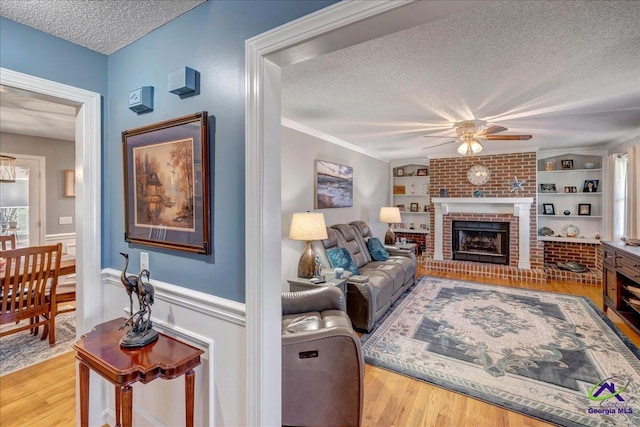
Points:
610	287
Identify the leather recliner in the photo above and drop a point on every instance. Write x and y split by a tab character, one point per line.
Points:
322	362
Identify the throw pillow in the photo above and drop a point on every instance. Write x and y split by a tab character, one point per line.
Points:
377	249
340	257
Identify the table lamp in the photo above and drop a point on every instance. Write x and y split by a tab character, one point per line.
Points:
307	226
389	215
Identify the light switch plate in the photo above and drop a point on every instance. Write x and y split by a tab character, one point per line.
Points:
144	261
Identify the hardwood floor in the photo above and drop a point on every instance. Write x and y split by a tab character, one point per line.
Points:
44	395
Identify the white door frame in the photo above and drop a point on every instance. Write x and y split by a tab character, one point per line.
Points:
265	54
41	193
87	211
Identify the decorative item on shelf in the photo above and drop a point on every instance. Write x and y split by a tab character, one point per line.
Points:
426	208
589	165
570	230
596	236
398	225
572	266
7	169
401	207
590	186
141	100
567	212
141	330
412	173
478	193
390	215
517	185
584	209
423	172
630	242
545	231
570	189
414	207
412	226
549	166
399	171
184	82
548	209
548	188
478	175
398	189
307	226
423	226
567	164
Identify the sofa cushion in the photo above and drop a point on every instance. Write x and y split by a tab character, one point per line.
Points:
339	257
377	250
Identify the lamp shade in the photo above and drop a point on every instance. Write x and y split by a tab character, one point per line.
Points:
7	169
389	215
308	226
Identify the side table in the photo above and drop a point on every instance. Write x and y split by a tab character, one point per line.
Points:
300	284
166	358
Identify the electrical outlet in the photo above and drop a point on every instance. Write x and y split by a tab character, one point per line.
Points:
144	261
64	220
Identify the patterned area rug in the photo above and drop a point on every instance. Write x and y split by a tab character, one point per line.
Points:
20	350
550	356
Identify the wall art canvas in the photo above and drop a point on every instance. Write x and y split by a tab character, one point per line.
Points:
334	185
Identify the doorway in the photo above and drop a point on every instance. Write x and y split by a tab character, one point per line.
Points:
22	203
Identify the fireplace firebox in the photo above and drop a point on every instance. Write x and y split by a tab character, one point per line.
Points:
480	241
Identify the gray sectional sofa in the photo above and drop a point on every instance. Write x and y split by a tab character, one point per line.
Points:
386	280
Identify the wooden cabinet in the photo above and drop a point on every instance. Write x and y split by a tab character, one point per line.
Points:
621	281
410	192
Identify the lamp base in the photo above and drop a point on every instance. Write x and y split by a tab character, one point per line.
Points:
307	263
390	237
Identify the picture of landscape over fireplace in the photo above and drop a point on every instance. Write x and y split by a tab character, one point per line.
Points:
480	241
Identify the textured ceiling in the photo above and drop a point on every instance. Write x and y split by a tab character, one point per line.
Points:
567	72
103	26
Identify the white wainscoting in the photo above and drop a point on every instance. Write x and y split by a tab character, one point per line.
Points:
68	241
213	324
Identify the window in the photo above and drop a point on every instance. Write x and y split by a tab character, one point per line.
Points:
619	195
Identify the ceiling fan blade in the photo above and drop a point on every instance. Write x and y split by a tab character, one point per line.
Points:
438	145
507	137
492	129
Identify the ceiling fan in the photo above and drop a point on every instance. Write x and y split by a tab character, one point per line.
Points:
472	132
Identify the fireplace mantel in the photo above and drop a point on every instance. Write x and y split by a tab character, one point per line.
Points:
517	206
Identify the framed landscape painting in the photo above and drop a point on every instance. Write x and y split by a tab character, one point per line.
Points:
166	184
333	185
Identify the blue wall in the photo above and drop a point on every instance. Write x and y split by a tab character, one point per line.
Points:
210	39
39	54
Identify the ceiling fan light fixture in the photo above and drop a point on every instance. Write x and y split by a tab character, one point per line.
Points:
469	147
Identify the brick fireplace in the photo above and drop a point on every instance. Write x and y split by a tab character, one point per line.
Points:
499	204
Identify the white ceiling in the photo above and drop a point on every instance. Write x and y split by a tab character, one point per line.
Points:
567	72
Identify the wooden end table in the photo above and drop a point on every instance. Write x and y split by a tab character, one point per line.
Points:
166	358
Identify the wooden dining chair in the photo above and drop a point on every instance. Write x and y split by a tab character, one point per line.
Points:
28	275
8	242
